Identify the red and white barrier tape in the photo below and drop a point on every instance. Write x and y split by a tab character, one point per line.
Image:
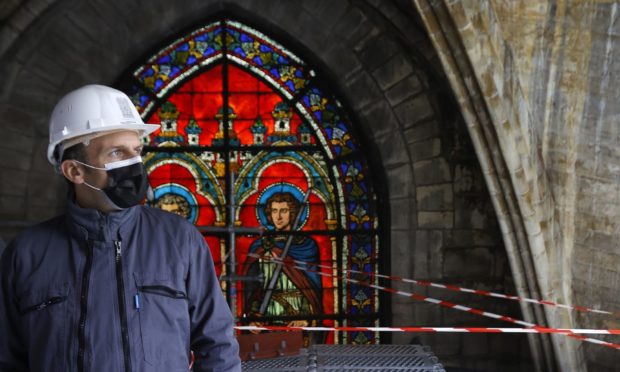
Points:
445	303
569	332
435	329
466	290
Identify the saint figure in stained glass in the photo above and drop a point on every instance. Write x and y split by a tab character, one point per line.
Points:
297	292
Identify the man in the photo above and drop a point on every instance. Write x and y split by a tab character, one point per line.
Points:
297	292
111	285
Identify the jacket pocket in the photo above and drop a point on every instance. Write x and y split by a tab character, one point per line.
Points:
44	314
43	305
161	302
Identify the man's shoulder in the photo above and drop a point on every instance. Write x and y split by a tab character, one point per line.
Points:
31	237
41	230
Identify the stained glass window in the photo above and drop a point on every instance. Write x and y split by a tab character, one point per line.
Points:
250	138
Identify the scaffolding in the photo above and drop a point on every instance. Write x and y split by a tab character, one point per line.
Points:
332	358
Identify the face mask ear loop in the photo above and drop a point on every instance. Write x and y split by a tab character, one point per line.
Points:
88	165
92	187
93	167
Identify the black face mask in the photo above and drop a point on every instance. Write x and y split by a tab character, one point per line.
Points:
127	182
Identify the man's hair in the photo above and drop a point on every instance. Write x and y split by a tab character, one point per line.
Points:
293	204
75	152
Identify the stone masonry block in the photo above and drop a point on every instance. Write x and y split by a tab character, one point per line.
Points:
342	62
401	338
422	131
365	40
421	261
476	345
403	315
73	51
401	211
414	109
8	7
472	216
39	162
330	12
396	70
449	343
353	26
93	26
435	197
377	52
312	33
40	210
13	159
362	90
124	11
48	69
462	238
44	186
425	313
425	149
393	149
401	247
12	206
435	220
404	89
470	263
22	18
400	182
379	119
35	93
17	141
7	38
429	250
20	120
590	257
428	172
14	182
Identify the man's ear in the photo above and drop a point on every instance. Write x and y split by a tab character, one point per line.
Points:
72	171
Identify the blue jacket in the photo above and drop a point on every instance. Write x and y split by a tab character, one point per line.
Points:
129	291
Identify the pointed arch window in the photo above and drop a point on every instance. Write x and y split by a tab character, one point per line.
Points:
246	122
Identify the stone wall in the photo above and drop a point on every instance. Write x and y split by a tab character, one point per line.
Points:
537	84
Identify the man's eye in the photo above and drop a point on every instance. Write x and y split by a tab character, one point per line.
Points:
116	153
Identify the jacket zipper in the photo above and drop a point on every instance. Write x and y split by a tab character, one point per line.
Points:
84	306
45	304
121	305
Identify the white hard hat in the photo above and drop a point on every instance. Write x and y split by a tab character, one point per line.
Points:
89	112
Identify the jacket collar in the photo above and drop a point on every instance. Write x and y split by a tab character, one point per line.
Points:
94	225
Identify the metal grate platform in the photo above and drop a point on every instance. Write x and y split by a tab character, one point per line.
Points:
332	358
